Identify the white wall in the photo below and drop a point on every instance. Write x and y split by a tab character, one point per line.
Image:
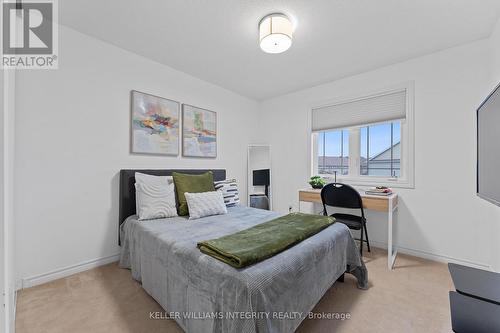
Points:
495	54
3	316
441	218
72	138
7	225
7	214
495	80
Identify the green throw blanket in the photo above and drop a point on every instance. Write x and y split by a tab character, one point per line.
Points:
265	240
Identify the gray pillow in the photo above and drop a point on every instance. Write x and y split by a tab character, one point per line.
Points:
154	196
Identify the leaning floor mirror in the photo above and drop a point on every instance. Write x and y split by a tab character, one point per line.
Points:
259	177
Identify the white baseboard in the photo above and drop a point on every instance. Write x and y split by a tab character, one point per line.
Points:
19	284
67	271
433	257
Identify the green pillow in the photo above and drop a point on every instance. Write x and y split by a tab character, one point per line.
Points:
192	184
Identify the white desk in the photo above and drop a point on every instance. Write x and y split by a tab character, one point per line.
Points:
387	204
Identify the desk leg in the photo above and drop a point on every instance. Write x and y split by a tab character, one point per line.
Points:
392	251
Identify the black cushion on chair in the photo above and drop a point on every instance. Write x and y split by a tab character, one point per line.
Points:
352	221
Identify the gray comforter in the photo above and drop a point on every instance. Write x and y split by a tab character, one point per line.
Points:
205	295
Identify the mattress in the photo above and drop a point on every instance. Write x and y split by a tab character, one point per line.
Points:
204	294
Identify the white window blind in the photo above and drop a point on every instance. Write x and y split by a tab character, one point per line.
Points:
364	111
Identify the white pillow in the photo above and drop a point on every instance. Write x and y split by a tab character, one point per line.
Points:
154	196
205	204
229	189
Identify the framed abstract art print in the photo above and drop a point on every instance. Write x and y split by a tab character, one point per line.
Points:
155	125
199	132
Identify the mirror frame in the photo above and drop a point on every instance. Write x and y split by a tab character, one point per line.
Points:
249	180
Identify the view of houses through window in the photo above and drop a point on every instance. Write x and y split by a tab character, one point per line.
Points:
379	151
333	152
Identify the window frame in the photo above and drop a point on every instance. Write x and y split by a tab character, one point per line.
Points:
342	130
407	161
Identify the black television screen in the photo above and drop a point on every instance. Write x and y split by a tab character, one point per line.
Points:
488	148
261	177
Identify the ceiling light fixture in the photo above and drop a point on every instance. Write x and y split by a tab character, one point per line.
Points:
275	32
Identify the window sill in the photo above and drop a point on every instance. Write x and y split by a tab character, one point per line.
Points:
370	182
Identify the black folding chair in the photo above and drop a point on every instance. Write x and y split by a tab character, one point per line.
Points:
345	196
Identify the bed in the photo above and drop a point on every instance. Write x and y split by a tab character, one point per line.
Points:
206	295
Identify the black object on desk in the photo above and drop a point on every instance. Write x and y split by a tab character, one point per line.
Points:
262	178
475	305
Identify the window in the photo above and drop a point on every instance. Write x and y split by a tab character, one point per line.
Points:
366	141
380	150
333	152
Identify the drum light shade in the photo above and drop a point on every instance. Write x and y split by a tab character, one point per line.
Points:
275	33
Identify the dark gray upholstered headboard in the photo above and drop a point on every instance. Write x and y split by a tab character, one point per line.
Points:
127	188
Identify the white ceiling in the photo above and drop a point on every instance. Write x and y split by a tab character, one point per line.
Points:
217	40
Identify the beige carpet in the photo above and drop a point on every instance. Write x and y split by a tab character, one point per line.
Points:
411	298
